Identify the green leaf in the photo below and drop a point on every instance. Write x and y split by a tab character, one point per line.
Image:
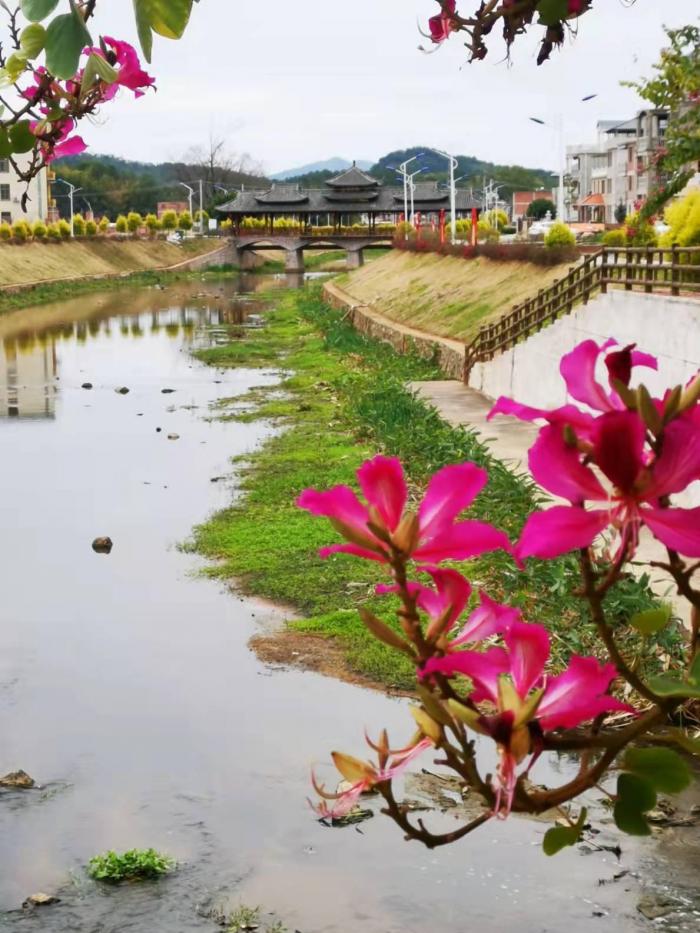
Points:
36	10
16	65
667	686
21	137
635	797
685	741
651	620
552	11
662	767
96	68
630	821
559	837
66	37
168	18
32	40
5	145
694	674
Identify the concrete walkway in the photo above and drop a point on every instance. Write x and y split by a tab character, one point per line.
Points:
509	441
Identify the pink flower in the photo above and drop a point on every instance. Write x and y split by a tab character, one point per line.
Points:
443	24
639	479
70	147
384	525
130	75
362	776
527	703
578	368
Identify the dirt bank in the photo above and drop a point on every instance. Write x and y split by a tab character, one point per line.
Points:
442	294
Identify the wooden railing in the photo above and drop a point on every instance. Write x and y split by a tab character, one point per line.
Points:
672	271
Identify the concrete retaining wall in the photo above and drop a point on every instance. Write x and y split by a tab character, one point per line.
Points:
449	354
667	327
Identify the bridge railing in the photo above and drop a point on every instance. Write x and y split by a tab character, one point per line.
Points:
673	270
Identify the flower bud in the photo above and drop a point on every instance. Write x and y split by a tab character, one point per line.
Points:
648	411
426	724
353	769
405	538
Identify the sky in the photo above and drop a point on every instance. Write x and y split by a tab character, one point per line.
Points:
297	82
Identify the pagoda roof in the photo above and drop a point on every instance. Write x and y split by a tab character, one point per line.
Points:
353	177
426	191
282	194
390	200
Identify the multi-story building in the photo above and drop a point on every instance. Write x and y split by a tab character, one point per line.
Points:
618	171
12	189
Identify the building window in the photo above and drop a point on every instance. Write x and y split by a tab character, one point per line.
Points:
6	217
4	166
4	192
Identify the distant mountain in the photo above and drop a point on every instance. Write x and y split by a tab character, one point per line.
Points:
336	164
475	172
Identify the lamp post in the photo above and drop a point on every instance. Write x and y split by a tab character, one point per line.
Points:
403	171
558	127
453	192
72	192
412	189
191	196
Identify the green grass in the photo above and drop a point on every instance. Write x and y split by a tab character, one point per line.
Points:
135	865
345	399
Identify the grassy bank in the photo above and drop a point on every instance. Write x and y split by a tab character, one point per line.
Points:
445	295
345	399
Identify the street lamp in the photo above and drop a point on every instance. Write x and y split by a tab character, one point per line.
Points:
403	171
191	195
453	192
72	193
558	127
412	189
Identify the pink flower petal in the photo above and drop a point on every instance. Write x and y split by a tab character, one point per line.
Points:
384	486
483	669
678	529
618	447
351	549
451	490
340	503
678	465
451	589
399	763
462	541
557	467
558	530
489	618
578	371
70	147
528	646
578	695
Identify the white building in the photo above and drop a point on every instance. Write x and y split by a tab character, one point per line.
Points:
12	190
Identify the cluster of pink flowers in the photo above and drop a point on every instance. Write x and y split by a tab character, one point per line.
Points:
63	103
622	449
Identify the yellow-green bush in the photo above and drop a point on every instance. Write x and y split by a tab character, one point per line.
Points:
639	232
64	229
5	232
39	229
169	220
683	217
79	225
133	222
53	232
20	231
559	235
90	228
615	238
103	225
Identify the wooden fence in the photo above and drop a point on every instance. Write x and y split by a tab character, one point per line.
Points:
674	270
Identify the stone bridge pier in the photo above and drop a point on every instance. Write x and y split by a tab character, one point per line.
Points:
243	244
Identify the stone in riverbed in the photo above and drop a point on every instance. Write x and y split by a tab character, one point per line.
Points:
40	900
17	780
86	385
173	437
102	545
122	390
167	391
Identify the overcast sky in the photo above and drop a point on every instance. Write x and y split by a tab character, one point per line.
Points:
295	81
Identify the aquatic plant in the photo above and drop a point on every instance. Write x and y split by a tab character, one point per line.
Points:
488	674
134	865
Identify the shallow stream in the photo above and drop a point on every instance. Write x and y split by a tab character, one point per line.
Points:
128	691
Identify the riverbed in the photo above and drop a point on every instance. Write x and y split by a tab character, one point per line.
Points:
129	692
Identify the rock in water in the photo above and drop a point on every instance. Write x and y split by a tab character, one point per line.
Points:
17	779
86	385
40	900
122	390
102	545
167	391
173	437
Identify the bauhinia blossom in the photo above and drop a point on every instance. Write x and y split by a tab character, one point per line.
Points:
362	776
442	24
641	482
383	526
130	74
527	703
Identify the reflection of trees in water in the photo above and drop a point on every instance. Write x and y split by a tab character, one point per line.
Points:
81	331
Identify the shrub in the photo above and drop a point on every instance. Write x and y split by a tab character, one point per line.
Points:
39	230
5	231
204	217
134	222
615	238
185	221
90	228
20	231
169	220
64	229
135	865
103	225
537	210
79	225
485	232
226	224
559	235
152	223
53	232
683	217
122	225
639	232
404	231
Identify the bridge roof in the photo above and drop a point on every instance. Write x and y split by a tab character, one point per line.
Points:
381	200
353	177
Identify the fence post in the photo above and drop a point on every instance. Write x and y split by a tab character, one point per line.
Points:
603	270
675	290
649	271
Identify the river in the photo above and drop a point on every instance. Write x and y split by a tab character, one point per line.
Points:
128	691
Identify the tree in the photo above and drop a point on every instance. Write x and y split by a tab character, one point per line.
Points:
217	167
103	224
185	221
152	223
169	220
134	222
675	87
538	209
79	225
90	228
39	230
122	224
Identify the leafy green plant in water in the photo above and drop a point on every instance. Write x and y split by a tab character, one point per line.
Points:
134	865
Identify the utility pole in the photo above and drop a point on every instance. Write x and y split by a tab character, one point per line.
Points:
453	193
201	207
191	196
72	192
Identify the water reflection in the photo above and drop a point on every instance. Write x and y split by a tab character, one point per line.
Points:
193	314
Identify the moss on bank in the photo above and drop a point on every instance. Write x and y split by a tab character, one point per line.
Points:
344	399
